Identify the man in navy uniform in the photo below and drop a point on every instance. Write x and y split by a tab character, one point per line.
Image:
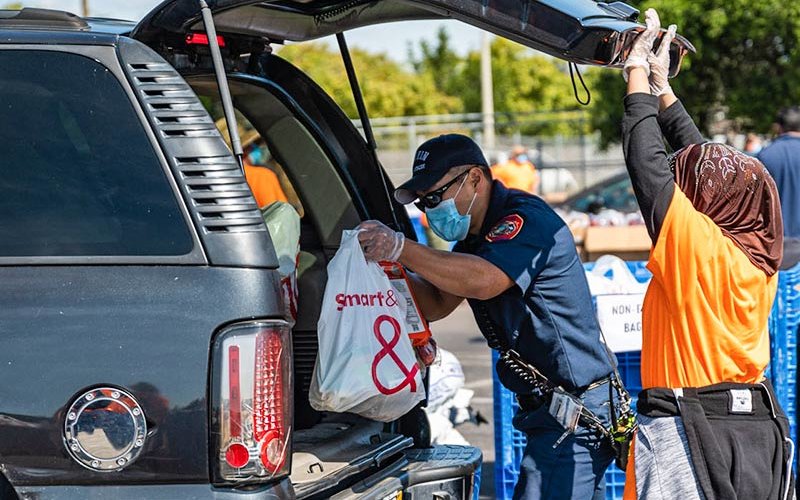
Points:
516	264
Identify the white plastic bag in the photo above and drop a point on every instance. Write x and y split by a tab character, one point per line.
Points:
365	364
283	224
446	377
611	274
448	401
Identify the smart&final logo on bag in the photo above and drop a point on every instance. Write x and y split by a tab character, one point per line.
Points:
380	299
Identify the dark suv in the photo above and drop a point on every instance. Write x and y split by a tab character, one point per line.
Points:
145	347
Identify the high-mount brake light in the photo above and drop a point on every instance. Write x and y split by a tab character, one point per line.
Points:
252	408
202	39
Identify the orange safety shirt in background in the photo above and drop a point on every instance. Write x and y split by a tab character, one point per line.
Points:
705	313
522	176
264	184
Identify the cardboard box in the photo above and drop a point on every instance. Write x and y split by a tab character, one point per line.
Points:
626	242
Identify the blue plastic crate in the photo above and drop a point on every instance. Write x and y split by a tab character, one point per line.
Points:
783	326
630	370
476	486
510	443
615	482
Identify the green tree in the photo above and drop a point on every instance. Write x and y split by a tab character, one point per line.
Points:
523	82
13	6
746	63
440	81
441	62
605	113
388	88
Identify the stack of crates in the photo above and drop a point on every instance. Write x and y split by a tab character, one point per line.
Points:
783	325
509	443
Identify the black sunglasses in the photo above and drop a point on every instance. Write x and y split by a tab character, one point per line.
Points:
432	199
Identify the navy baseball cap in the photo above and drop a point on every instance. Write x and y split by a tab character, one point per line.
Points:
434	158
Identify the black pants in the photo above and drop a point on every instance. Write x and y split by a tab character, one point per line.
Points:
738	437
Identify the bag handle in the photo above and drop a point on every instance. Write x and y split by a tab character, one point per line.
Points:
350	240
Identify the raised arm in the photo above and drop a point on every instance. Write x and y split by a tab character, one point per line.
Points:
676	124
645	156
642	126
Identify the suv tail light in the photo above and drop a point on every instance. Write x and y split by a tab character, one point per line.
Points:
252	401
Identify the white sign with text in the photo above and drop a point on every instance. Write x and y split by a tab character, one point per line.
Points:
620	318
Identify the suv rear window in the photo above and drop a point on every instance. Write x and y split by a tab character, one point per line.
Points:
78	175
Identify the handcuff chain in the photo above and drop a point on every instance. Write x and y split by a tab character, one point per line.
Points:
542	384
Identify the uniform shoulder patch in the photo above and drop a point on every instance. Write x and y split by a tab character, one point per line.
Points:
506	228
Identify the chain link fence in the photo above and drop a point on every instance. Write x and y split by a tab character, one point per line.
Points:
568	160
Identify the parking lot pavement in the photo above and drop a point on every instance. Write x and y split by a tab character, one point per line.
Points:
459	334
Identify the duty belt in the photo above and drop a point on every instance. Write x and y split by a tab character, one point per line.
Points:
534	401
622	426
544	388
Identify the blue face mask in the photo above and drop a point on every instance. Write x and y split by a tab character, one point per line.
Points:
522	158
445	220
255	157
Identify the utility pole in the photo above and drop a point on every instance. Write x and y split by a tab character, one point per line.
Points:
85	8
487	97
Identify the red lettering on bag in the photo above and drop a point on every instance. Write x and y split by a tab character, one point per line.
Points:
388	350
365	300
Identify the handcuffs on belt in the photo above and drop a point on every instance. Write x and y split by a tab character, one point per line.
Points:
569	410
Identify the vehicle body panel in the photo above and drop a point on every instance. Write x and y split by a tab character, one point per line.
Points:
145	328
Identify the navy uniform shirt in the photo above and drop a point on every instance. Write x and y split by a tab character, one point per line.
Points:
548	316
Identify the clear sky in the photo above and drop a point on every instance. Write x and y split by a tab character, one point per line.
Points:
392	39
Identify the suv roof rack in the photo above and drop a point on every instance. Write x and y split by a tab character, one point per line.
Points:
29	18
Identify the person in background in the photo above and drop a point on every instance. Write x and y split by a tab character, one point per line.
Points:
518	172
752	144
263	182
709	423
782	159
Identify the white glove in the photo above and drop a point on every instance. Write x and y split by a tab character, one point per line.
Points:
643	46
659	65
379	242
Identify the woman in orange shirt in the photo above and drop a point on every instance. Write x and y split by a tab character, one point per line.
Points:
709	425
